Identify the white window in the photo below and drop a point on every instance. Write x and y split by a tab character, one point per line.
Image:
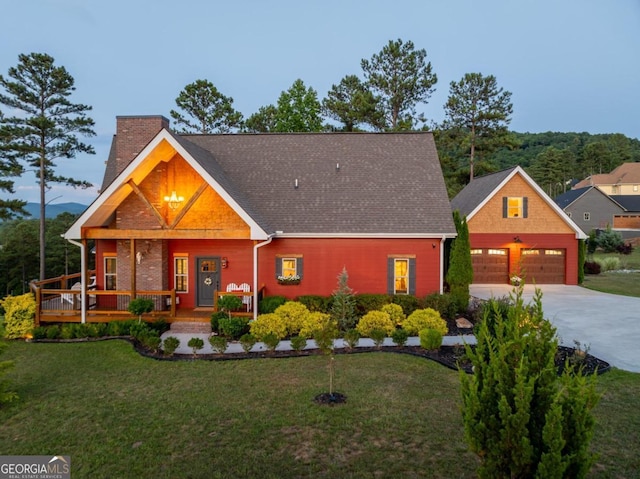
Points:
289	268
498	252
476	252
514	207
181	273
110	273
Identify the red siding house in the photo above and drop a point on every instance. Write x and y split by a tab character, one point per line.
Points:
516	229
190	216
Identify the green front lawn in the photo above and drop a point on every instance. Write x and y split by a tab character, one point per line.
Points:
120	415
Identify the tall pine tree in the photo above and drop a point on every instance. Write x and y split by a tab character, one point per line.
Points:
46	125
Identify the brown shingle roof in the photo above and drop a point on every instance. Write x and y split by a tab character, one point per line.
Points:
626	173
347	183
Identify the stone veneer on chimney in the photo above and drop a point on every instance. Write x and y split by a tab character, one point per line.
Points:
133	133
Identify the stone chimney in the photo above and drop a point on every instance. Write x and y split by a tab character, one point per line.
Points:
133	133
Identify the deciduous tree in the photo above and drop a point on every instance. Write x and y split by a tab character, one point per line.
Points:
205	110
402	78
479	112
46	124
298	110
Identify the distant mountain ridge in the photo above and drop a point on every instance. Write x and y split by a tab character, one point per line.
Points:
54	210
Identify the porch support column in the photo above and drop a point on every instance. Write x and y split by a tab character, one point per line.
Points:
132	256
83	278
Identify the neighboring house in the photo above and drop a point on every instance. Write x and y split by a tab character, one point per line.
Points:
191	216
515	229
590	208
624	180
628	223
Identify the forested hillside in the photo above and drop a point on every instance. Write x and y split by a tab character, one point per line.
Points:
552	159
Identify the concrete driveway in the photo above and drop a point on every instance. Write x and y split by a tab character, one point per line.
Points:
607	323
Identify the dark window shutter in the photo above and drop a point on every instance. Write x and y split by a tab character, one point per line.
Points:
525	207
505	206
278	267
412	276
299	267
390	275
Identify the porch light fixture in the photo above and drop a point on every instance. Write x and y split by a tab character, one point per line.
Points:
517	239
174	200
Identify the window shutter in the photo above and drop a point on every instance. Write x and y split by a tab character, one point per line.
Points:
299	267
525	204
390	275
412	276
505	206
278	267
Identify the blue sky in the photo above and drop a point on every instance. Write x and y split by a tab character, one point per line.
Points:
571	65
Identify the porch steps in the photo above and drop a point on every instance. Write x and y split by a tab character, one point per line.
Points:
191	327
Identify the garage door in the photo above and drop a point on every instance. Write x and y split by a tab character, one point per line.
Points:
490	265
543	266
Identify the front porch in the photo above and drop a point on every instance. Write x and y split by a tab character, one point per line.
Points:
57	302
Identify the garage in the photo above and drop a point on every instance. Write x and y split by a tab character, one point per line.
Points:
490	265
543	266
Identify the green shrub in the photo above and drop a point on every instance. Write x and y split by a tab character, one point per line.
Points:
68	331
293	314
298	343
375	320
378	335
316	303
248	341
609	241
520	417
219	344
343	303
370	302
408	302
609	263
269	304
151	340
443	303
159	325
351	338
312	322
170	344
215	320
40	332
430	339
271	341
117	328
269	323
196	344
138	329
19	315
234	327
400	336
395	312
427	318
53	332
140	306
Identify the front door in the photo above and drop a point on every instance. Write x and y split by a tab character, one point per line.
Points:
208	280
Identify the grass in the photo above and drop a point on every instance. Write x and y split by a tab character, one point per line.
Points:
120	415
626	284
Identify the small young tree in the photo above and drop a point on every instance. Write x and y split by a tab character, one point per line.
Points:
343	307
228	303
140	306
460	273
520	418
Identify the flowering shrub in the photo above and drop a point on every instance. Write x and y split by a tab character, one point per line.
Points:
19	315
289	279
375	320
425	319
293	315
395	312
269	323
314	322
516	280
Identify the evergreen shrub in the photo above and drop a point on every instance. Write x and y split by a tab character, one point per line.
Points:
19	315
375	320
427	318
